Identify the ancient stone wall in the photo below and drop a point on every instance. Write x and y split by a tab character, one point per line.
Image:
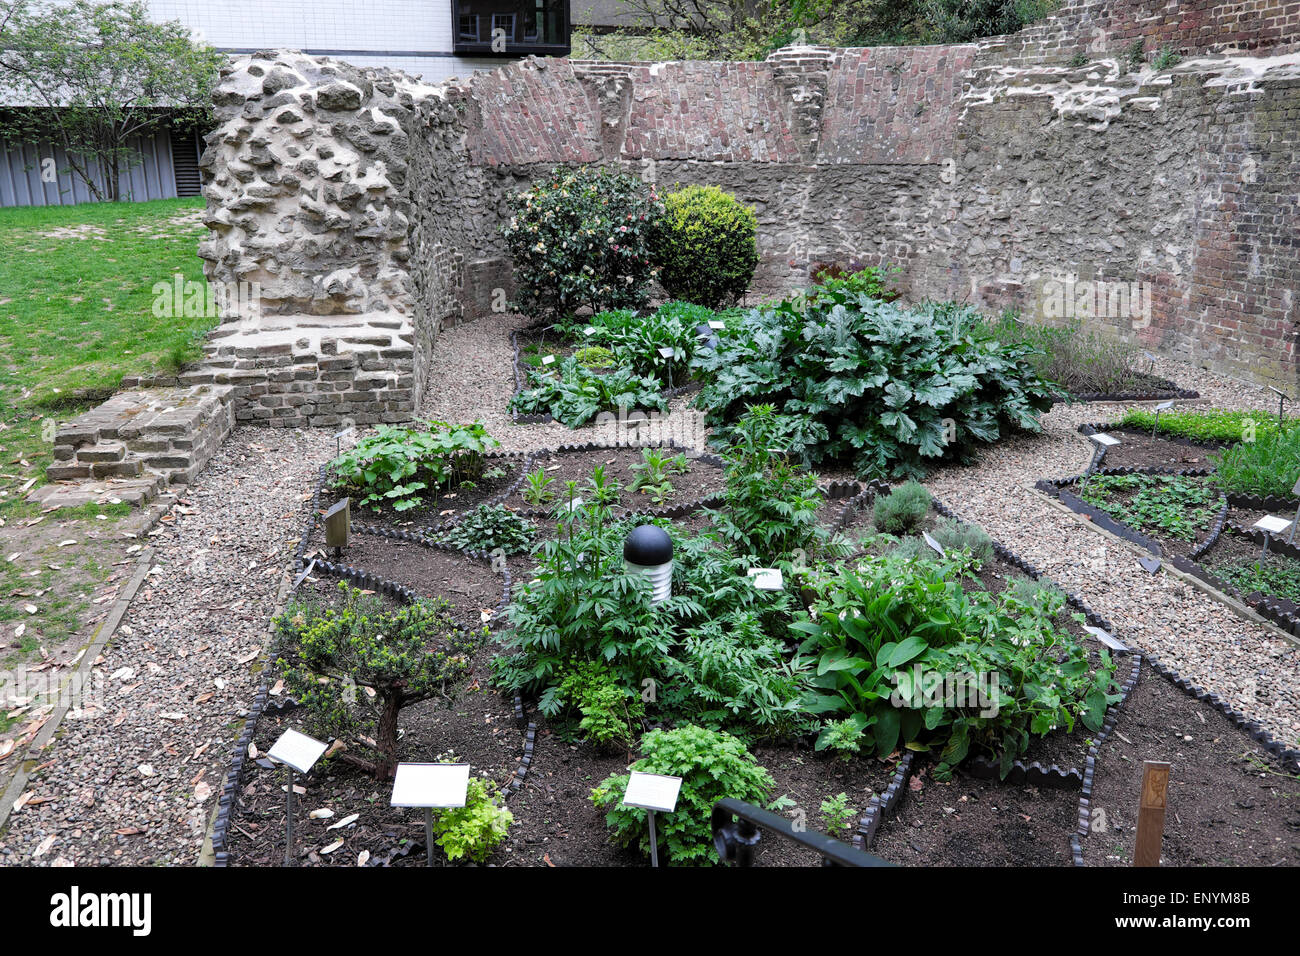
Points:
988	171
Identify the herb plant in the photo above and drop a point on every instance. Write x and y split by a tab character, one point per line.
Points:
837	814
487	528
712	765
1270	465
473	831
574	395
1179	506
394	465
537	488
903	509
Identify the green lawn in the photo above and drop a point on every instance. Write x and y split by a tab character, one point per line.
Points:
76	315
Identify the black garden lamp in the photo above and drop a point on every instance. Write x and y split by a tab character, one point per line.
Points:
648	551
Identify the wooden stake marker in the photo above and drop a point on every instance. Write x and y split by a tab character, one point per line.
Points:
1151	813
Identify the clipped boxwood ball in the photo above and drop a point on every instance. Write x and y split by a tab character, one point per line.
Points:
706	246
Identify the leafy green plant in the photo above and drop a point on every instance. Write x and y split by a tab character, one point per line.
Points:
730	673
1166	58
574	395
610	714
636	341
1277	576
651	476
487	528
903	509
712	764
394	465
837	814
1270	465
706	246
883	632
537	488
581	605
854	280
582	238
770	507
403	656
1178	505
890	390
1209	426
595	356
1077	358
955	535
476	829
842	737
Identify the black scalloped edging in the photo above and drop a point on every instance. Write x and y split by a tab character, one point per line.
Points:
229	799
1287	757
1170	390
1090	765
544	418
882	804
1285	614
1262	503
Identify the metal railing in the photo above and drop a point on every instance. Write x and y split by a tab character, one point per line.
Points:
736	835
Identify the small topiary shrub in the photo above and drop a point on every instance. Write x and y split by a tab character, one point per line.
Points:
712	764
595	356
706	247
582	238
902	509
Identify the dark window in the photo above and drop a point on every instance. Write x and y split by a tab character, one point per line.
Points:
511	27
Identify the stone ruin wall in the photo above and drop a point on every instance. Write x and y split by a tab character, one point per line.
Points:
368	205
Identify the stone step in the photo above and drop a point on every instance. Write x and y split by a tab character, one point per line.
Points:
137	492
167	433
105	451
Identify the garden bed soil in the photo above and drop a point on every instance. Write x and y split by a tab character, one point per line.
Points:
1235	550
1224	809
470	586
1142	386
973	822
476	725
1137	449
703	480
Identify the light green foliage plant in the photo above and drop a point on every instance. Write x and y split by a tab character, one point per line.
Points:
537	489
769	506
837	814
712	764
610	714
1180	506
473	831
1270	465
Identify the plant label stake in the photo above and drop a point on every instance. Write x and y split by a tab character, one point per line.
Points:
1151	812
303	577
338	439
1103	439
767	579
1152	369
652	792
1270	525
297	752
935	545
1282	399
1162	407
1295	522
442	786
668	354
338	527
1106	638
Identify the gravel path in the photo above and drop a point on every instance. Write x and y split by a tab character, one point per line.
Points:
1198	637
135	782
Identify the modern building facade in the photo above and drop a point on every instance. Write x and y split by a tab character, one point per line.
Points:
431	39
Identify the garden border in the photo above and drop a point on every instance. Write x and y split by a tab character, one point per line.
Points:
537	418
229	800
1172	392
1275	609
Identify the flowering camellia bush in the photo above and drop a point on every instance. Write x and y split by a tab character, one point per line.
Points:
582	238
